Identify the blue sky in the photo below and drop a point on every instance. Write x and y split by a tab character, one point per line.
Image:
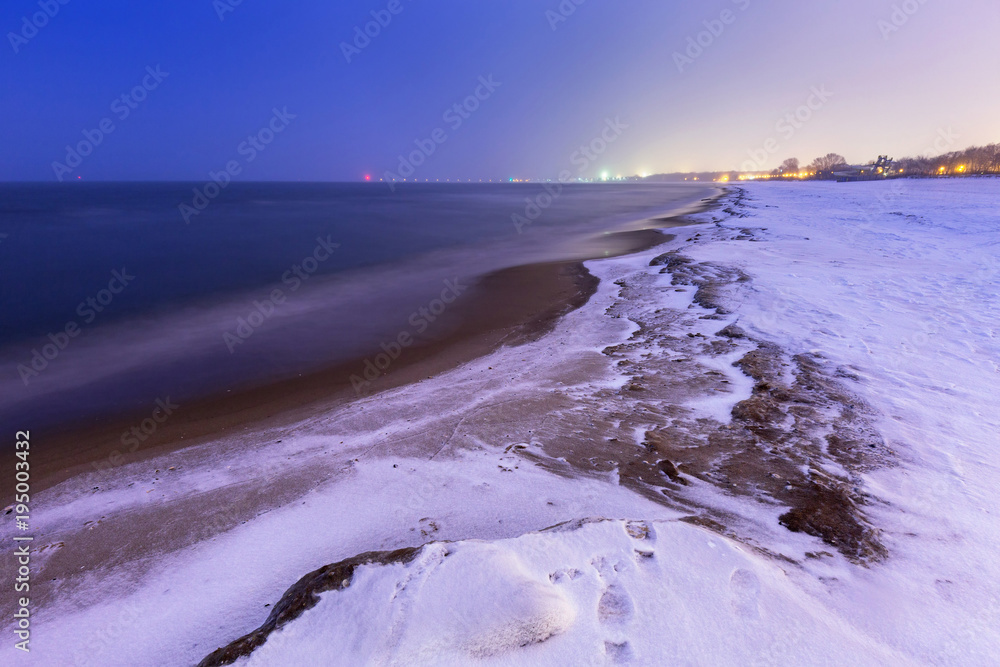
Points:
896	80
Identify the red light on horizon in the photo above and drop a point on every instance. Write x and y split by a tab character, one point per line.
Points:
368	177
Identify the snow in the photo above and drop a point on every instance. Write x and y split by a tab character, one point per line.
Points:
579	596
201	597
893	281
897	281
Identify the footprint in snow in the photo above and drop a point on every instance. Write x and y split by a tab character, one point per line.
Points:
619	653
642	531
745	587
606	569
615	606
562	576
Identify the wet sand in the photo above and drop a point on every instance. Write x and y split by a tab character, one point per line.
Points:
763	454
510	306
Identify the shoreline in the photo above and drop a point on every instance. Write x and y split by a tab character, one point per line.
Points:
506	307
681	404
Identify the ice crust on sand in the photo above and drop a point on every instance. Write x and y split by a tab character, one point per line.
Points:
888	289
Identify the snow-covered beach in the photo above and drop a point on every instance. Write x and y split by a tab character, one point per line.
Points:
771	439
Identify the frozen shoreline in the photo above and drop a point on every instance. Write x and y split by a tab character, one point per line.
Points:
492	451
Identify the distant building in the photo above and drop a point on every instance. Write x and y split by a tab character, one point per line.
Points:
882	168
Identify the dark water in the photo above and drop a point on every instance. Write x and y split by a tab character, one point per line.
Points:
106	343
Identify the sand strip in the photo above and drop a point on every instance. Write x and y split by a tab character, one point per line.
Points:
510	306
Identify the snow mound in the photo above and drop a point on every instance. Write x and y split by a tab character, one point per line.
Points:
487	604
592	593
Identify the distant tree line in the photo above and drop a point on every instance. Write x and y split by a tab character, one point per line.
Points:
826	163
973	160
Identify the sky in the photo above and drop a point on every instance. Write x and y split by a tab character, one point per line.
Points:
650	86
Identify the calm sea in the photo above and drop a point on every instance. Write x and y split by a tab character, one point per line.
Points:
111	300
